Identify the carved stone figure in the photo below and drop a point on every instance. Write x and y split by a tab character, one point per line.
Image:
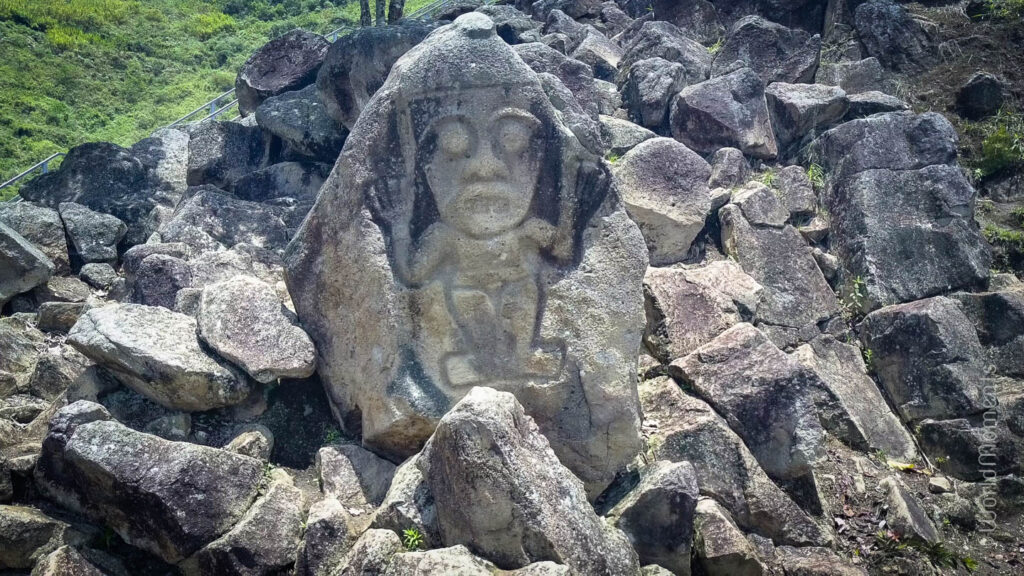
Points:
465	238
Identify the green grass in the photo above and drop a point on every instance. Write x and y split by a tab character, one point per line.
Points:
76	71
1008	9
1002	144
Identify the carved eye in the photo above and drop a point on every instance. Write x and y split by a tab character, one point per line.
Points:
454	138
514	134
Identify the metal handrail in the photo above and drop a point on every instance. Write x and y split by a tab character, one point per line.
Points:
214	107
43	164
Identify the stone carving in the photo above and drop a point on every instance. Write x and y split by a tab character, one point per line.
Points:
466	238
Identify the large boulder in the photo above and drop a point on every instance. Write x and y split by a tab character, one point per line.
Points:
168	498
980	96
105	178
22	265
751	383
94	236
291	187
219	153
357	64
435	283
800	109
264	541
914	244
690	430
353	475
649	87
42	227
244	320
657	515
687	307
28	535
664	40
288	62
697	18
158	280
500	490
600	53
727	111
901	42
776	53
927	356
796	296
577	76
664	186
301	121
157	353
165	153
20	347
720	548
211	220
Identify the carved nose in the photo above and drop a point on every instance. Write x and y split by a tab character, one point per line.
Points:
485	166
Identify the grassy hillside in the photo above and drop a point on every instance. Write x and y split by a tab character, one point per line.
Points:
81	70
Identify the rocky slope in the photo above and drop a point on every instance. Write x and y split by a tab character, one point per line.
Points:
564	287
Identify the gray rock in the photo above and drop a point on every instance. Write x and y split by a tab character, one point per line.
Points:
729	168
686	310
59	316
608	98
142	486
727	111
353	475
357	64
841	367
689	430
165	153
329	535
301	121
105	178
22	408
42	227
577	76
512	25
559	22
972	453
22	265
927	356
774	52
853	77
157	353
244	321
760	205
131	261
873	102
583	125
371	554
664	40
418	350
66	561
99	275
290	187
697	18
255	441
621	136
499	488
796	295
906	515
27	535
219	153
174	427
663	185
210	220
242	260
980	97
158	280
719	546
899	40
649	87
288	62
798	110
998	317
600	53
264	541
63	289
20	347
749	382
796	193
409	504
657	515
61	370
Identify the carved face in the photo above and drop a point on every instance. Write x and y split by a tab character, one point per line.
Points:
483	169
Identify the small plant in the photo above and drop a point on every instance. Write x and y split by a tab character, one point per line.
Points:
941	460
332	435
1018	215
998	236
889	541
268	469
970	563
412	539
1002	144
612	157
854	301
882	456
816	174
869	359
1006	9
714	48
768	178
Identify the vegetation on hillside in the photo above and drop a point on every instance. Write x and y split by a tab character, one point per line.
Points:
84	70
